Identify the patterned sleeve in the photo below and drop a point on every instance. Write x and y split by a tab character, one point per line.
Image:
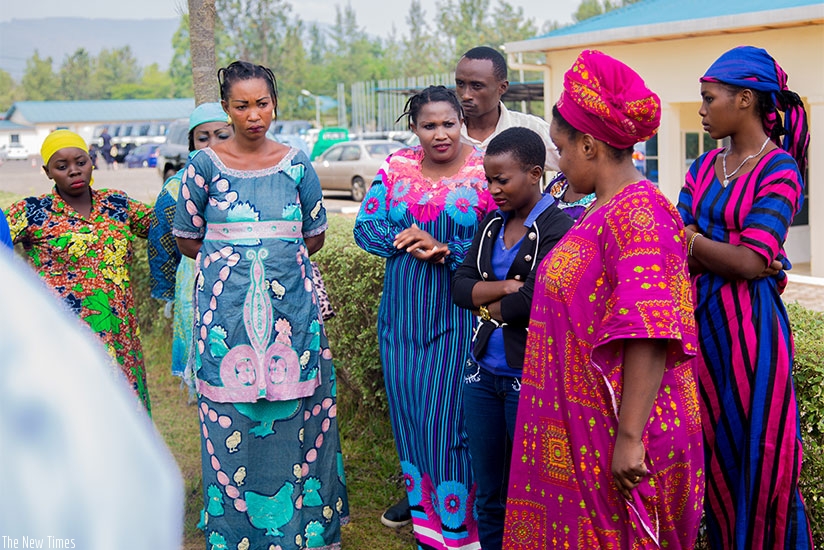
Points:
374	232
140	218
163	253
311	198
483	205
685	197
779	197
646	268
17	217
5	234
190	222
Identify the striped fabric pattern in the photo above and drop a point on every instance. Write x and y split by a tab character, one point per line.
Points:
749	411
424	338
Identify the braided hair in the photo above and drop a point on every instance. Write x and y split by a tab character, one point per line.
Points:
429	95
243	70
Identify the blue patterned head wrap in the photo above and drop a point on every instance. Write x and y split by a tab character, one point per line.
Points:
754	68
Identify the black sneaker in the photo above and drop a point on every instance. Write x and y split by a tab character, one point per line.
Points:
397	515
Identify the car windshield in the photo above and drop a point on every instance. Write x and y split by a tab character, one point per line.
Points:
382	150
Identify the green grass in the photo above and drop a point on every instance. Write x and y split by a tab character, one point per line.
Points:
6	199
370	459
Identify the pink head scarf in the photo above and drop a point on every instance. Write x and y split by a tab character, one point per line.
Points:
608	100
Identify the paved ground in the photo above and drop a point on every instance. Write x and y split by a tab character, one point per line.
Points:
21	178
143	184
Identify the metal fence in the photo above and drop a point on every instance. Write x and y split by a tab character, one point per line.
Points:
377	104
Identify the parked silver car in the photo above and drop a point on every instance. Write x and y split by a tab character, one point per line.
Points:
351	165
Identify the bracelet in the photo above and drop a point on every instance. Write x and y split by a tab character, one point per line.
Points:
691	244
485	313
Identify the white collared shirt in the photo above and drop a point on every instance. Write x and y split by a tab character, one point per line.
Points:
509	119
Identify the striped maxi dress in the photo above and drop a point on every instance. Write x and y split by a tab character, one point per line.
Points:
749	411
424	338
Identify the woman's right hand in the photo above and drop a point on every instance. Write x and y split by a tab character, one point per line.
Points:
772	269
421	245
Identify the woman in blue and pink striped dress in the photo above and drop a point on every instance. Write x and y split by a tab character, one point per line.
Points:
738	204
421	214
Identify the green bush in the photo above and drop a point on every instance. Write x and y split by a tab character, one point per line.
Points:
353	280
808	330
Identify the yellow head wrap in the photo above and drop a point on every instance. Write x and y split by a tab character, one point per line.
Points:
61	139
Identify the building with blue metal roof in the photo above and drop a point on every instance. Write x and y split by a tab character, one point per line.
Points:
670	43
130	121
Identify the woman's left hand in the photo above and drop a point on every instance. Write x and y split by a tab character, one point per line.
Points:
628	468
421	245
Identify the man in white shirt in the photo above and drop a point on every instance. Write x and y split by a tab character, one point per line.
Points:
480	81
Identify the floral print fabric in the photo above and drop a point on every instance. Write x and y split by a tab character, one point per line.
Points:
86	261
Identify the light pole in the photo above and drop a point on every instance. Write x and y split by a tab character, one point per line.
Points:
307	93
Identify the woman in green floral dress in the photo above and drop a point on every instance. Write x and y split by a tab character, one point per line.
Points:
80	242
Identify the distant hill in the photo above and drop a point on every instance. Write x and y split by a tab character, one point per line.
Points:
56	37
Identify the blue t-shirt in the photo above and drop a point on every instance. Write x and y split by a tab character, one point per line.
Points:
494	359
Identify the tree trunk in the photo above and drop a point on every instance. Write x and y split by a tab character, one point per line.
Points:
202	46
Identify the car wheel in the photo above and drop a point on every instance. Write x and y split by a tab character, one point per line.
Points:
358	188
169	172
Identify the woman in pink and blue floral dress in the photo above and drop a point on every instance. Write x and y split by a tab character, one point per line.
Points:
421	214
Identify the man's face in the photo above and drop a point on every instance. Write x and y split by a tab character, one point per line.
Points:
477	87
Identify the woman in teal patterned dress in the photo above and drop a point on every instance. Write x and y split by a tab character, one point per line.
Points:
173	275
251	212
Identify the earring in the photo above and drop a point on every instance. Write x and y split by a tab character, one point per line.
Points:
274	115
228	119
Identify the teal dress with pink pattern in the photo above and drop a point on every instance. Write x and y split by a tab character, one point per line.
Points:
272	464
424	337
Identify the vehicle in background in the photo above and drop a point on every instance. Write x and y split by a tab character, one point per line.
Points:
14	151
128	135
173	152
143	155
299	127
352	165
291	132
328	137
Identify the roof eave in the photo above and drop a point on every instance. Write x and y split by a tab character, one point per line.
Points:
726	24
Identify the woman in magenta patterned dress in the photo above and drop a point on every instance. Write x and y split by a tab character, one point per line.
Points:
421	214
738	203
607	452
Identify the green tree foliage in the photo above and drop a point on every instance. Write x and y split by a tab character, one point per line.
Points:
39	81
420	49
115	70
153	84
591	8
9	91
180	67
470	23
76	76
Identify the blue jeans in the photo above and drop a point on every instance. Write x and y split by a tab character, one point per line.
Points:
490	406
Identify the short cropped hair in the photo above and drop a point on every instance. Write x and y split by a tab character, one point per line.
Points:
498	60
525	145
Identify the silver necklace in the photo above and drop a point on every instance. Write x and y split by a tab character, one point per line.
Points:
727	177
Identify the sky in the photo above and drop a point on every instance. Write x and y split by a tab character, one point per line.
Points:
376	17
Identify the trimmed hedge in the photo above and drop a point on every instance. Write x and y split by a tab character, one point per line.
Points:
354	281
808	331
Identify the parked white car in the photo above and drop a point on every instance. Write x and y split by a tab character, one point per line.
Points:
15	151
351	165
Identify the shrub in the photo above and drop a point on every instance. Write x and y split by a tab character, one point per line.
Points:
353	280
808	330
